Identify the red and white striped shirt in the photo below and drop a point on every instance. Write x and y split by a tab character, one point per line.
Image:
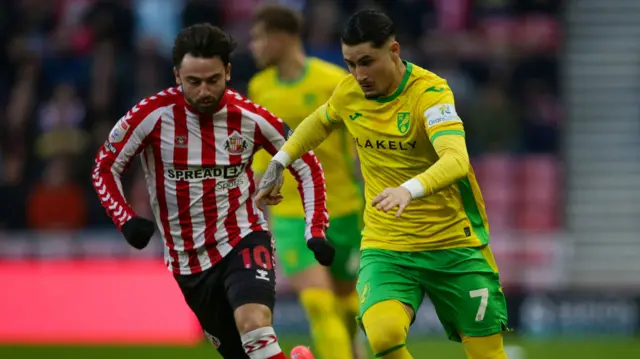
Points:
198	172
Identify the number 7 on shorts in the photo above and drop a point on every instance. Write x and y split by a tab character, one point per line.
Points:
483	294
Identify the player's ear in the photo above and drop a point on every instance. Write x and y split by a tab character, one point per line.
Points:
227	75
394	46
176	74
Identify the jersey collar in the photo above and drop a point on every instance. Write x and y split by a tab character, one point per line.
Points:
403	84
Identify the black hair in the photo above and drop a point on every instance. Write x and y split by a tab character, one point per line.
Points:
368	26
278	18
203	40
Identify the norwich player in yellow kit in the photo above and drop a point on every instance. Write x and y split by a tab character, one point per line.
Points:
426	229
292	86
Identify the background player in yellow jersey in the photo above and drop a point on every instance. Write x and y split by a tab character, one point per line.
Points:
292	86
426	229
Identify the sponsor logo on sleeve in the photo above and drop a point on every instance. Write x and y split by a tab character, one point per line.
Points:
109	146
442	113
119	131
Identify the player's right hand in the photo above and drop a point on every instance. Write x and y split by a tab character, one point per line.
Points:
270	185
138	231
323	250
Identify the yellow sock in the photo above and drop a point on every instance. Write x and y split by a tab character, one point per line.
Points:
330	337
387	325
350	308
489	347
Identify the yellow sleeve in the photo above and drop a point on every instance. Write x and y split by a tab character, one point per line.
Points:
331	115
452	164
446	133
439	112
309	134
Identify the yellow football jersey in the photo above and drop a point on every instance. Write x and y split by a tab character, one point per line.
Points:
393	137
292	102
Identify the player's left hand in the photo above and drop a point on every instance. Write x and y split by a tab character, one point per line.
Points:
323	250
391	198
270	185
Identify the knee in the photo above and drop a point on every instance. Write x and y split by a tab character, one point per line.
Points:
252	316
488	347
386	325
385	336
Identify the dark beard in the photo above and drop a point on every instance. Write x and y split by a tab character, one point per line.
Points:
209	108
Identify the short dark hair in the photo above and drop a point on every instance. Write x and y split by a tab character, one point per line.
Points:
368	26
278	18
203	40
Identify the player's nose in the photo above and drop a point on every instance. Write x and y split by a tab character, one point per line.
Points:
361	74
204	92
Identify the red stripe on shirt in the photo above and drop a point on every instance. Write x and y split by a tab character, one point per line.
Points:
161	195
183	196
234	125
209	204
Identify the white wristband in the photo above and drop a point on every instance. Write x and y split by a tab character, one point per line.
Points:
283	158
414	187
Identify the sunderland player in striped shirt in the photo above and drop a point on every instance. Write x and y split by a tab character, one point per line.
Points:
292	86
196	142
426	229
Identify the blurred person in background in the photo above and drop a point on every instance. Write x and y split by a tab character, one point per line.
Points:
57	202
493	120
13	188
60	124
196	141
292	86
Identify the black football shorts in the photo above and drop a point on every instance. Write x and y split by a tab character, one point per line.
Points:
246	275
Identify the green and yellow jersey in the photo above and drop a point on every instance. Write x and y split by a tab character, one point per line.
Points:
292	102
412	135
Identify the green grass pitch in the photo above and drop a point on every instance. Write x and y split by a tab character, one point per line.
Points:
420	348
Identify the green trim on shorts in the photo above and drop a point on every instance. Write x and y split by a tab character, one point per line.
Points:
463	287
294	257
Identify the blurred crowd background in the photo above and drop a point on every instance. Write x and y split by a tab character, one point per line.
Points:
69	69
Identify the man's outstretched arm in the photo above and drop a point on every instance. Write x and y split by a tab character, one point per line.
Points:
308	172
311	132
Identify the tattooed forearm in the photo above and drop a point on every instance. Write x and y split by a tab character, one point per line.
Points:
273	176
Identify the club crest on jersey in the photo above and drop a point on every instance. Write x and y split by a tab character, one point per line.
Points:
119	131
235	144
181	142
403	122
